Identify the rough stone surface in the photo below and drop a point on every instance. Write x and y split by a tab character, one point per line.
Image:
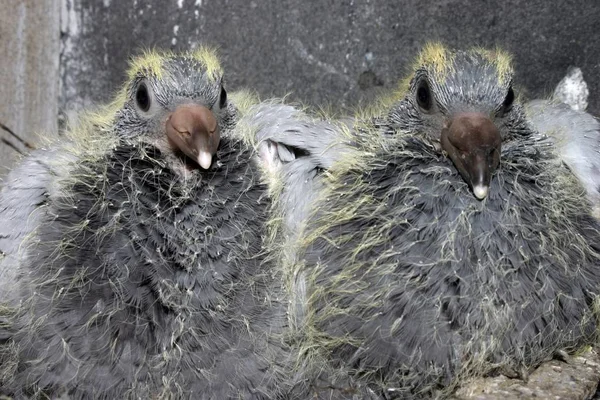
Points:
573	90
576	379
335	52
29	44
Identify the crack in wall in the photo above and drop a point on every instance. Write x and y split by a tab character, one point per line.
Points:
12	146
17	137
69	101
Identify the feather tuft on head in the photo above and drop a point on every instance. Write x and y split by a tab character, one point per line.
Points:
150	63
208	57
434	54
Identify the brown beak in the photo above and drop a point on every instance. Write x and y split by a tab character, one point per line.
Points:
193	129
473	142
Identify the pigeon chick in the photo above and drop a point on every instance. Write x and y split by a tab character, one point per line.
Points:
449	242
574	133
140	273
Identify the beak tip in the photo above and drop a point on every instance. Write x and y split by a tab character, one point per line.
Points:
205	159
480	191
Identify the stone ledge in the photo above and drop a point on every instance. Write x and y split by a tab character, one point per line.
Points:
558	380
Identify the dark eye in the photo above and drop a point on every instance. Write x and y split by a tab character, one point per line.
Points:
424	96
142	97
222	98
508	100
507	103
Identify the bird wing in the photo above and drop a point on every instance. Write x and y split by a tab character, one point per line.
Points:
576	135
22	210
295	148
296	134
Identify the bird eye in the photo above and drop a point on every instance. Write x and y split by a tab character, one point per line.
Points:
222	98
508	101
424	96
142	97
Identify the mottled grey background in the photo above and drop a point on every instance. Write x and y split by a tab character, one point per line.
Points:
61	55
328	51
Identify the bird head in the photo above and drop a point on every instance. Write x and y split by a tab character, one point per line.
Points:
462	101
176	103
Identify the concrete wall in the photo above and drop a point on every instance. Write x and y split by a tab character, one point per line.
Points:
329	51
29	80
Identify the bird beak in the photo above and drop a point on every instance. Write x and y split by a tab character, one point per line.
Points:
473	142
193	129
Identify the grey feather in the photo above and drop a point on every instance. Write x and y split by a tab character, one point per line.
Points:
22	209
297	148
576	135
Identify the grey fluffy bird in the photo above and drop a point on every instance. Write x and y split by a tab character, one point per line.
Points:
134	251
449	241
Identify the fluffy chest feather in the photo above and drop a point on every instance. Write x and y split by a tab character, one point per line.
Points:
412	278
